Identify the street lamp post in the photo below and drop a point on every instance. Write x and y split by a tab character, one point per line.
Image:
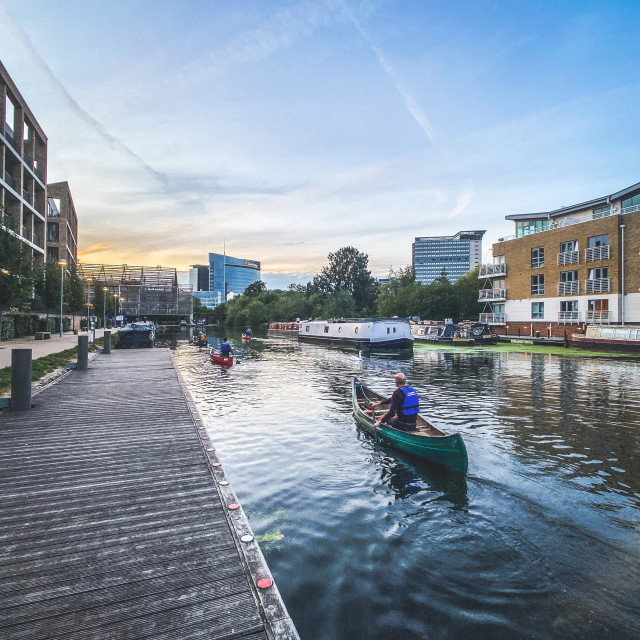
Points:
104	308
88	303
115	303
63	264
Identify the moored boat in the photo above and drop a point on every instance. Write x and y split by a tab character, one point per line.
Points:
612	338
463	334
246	338
136	335
283	329
427	442
218	358
359	333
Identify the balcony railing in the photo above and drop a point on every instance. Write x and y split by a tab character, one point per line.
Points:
26	195
492	270
36	240
493	318
598	285
492	294
597	253
599	317
568	257
568	288
568	316
537	289
8	178
25	233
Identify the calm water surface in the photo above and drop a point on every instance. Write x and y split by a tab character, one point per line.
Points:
541	540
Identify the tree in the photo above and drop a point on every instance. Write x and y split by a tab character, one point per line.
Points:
197	305
255	289
348	270
17	270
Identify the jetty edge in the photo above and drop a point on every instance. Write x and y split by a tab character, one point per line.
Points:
116	519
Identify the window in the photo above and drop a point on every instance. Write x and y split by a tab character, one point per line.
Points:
598	305
571	245
10	113
537	310
598	272
634	201
526	227
537	285
598	241
25	135
568	305
52	253
53	232
601	212
568	276
326	329
537	257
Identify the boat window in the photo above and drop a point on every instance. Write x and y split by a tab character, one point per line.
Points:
606	333
356	329
394	329
326	329
387	329
307	328
622	333
339	329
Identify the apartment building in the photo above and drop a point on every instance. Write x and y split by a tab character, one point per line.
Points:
62	224
567	268
457	255
23	169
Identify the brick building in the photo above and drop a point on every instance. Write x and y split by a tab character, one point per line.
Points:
62	224
23	169
567	268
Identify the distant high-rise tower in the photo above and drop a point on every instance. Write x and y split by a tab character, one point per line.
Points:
457	254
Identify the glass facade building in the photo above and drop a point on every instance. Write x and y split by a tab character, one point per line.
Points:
226	275
456	254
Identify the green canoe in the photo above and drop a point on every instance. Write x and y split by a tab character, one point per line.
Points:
426	442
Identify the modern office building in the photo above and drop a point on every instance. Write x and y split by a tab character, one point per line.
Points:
456	254
199	277
567	268
23	169
62	224
226	275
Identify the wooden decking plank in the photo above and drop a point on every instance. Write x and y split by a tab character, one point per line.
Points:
111	521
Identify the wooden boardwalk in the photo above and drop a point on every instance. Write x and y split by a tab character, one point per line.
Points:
114	518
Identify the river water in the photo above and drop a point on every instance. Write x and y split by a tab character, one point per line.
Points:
540	540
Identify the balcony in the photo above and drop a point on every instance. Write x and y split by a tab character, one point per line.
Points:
599	317
598	285
26	234
569	257
492	270
37	241
568	288
493	318
8	178
597	253
565	317
495	295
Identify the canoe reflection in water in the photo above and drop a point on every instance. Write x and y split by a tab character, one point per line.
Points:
405	477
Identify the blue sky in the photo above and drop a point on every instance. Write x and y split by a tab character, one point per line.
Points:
293	128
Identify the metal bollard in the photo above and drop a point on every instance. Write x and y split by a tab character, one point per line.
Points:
83	352
107	342
20	379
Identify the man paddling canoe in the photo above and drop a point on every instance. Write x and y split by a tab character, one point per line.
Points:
404	406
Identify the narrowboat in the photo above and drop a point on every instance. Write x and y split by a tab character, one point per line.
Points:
440	333
136	335
427	442
614	338
283	329
359	333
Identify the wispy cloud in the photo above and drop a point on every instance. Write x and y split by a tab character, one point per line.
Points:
412	106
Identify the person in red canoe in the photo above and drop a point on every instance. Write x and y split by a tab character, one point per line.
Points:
404	408
225	348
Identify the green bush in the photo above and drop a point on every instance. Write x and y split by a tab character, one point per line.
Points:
7	329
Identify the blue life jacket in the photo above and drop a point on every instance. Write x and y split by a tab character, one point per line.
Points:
411	405
225	348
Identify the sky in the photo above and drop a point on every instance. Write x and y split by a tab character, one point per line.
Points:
285	130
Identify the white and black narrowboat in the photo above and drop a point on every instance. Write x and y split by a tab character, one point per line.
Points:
359	333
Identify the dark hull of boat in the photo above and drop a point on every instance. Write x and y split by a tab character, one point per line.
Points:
355	343
133	339
606	344
445	450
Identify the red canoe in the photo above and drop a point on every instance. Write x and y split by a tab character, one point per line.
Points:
218	359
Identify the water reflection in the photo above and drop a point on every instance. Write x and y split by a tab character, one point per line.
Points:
543	534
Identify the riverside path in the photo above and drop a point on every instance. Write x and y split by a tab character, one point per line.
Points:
116	520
